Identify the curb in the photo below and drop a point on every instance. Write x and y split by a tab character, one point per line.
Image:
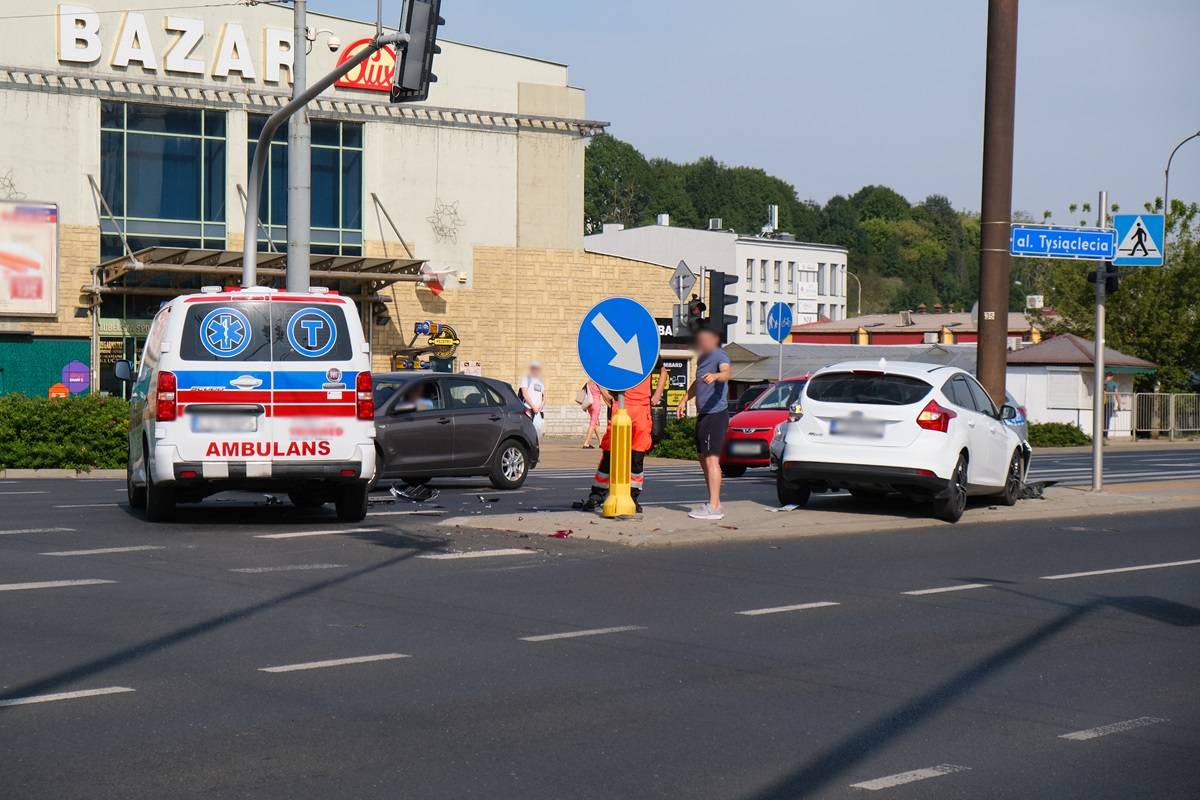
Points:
105	474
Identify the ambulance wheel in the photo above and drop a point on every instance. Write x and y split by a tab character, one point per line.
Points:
306	499
351	502
160	501
136	494
510	467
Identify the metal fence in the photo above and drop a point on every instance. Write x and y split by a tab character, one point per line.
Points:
1157	414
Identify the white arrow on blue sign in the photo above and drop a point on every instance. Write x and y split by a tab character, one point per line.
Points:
779	322
1045	241
618	343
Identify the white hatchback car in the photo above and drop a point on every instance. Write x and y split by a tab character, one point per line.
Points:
928	431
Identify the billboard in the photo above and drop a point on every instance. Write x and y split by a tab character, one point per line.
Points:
28	258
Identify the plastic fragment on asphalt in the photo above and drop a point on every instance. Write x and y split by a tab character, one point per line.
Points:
484	499
561	534
788	507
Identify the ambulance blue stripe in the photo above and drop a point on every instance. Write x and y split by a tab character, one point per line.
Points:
310	379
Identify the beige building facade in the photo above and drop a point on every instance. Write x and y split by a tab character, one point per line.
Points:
139	127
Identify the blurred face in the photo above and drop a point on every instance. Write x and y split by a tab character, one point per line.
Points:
535	371
707	341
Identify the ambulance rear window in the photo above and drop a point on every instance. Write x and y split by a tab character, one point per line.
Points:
265	331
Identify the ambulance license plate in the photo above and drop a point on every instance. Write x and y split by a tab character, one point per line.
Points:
224	423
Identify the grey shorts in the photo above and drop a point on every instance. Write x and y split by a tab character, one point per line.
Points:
710	433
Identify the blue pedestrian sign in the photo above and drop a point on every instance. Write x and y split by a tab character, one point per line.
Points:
1047	241
618	343
779	322
1140	240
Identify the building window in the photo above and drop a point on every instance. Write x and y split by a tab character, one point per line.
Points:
820	310
821	285
778	276
762	277
162	172
762	317
750	274
337	188
749	326
791	277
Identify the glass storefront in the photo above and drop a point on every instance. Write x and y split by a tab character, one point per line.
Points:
337	157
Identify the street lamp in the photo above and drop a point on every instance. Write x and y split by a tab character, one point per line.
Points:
856	280
1167	174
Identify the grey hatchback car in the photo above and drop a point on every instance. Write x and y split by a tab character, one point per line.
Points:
430	425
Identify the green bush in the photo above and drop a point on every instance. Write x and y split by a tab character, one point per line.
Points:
1056	434
78	432
678	441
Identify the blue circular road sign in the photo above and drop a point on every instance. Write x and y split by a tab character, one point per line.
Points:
779	322
618	343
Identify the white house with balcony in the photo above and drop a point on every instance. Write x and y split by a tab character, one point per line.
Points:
771	268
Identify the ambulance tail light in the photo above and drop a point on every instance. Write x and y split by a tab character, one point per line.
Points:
165	409
366	398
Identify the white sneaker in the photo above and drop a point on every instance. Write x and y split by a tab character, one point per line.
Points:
706	512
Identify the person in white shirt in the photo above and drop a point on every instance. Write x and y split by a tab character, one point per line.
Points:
533	394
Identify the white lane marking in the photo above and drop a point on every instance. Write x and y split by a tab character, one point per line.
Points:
16	587
336	662
901	778
1116	727
1138	568
90	505
577	634
957	588
288	568
36	530
25	492
104	550
757	612
50	698
429	513
508	551
330	532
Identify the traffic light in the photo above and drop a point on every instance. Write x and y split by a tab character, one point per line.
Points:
1112	279
414	70
695	312
718	299
380	314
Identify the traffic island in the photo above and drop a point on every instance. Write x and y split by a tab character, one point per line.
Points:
669	525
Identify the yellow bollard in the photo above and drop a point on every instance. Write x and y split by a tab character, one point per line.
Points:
619	502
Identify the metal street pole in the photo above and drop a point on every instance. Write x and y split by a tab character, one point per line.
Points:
994	259
1167	177
299	154
856	280
1098	420
259	167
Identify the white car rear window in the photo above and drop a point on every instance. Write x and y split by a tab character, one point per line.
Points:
867	388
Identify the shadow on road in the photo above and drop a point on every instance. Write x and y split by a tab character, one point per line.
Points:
180	635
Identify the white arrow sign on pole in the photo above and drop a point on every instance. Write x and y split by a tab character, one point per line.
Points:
627	354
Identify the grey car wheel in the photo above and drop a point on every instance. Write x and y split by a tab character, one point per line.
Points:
511	466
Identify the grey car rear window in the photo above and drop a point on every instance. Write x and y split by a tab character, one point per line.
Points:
867	388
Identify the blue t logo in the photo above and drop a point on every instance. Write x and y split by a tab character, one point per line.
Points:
311	326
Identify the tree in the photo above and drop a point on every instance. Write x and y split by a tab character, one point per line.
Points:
617	182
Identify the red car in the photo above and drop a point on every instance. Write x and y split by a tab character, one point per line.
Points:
748	439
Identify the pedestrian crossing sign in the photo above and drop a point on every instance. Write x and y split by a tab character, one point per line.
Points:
1140	240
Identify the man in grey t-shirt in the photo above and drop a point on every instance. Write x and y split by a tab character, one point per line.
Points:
711	390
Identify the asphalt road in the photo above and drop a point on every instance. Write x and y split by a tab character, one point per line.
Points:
254	651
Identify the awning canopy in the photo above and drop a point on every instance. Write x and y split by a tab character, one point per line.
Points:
169	271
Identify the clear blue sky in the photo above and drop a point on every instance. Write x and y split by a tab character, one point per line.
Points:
833	95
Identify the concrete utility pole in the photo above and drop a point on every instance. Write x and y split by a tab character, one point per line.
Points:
299	196
259	167
1098	418
994	259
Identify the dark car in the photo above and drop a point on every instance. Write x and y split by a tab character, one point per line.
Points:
430	425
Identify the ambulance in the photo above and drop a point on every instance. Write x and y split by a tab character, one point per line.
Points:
252	389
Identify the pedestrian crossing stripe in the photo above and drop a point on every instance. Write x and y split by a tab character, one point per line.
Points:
1140	239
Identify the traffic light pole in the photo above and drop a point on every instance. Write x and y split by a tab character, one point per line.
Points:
996	212
261	152
299	190
1099	421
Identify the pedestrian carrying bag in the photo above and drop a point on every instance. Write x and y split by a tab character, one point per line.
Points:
584	398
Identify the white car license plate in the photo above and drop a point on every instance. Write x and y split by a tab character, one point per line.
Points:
224	423
745	448
865	428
